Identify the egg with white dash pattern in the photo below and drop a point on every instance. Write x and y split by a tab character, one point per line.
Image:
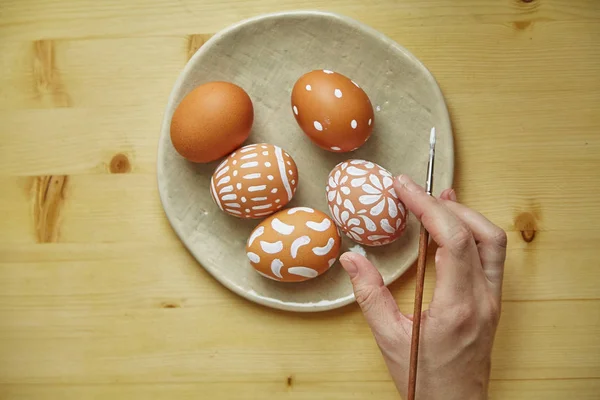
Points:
254	181
364	204
332	110
294	245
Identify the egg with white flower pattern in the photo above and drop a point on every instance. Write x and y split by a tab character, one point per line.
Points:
364	204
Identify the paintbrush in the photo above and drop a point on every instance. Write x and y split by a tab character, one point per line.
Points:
421	261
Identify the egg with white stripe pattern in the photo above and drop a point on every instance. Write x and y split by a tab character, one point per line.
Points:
254	181
294	245
363	203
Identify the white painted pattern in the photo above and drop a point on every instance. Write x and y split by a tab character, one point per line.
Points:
262	214
263	207
331	262
253	257
243	199
229	197
338	93
238	186
356	171
267	164
318	125
271	248
319	226
256	234
353	124
328	71
296	244
222	165
276	265
385	224
255	175
295	110
322	251
259	198
303	271
308	87
233	211
232	205
334	148
270	177
377	237
222	172
249	156
251	164
284	178
298	209
370	121
224	181
265	153
226	189
257	188
281	228
248	148
215	196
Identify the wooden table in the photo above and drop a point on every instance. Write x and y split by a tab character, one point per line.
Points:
100	300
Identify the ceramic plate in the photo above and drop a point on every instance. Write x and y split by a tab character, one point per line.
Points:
265	56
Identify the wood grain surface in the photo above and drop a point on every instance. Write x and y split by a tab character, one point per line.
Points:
100	299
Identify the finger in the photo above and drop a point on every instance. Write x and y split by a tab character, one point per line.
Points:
491	242
443	226
375	300
448	194
457	250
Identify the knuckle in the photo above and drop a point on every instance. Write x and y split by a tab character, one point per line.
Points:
461	238
365	297
493	313
499	238
464	318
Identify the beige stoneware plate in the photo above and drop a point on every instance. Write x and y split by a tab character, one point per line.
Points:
265	56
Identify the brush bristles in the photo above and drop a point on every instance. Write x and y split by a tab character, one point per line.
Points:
432	138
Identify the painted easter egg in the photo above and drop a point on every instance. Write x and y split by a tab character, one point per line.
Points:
211	121
254	181
294	245
363	203
333	111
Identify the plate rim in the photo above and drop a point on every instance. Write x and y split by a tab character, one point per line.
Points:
250	294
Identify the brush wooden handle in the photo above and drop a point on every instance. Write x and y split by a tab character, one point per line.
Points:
414	345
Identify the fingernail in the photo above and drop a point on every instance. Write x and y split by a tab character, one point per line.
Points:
349	265
452	195
409	184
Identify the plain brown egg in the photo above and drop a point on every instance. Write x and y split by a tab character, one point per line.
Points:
332	110
213	120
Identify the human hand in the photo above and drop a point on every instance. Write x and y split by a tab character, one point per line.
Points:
458	329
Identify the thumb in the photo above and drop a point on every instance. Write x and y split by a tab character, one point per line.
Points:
375	299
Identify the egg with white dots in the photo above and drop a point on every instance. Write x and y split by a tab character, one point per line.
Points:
332	110
294	245
254	181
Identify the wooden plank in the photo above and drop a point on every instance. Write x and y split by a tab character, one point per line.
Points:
222	341
89	18
586	389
